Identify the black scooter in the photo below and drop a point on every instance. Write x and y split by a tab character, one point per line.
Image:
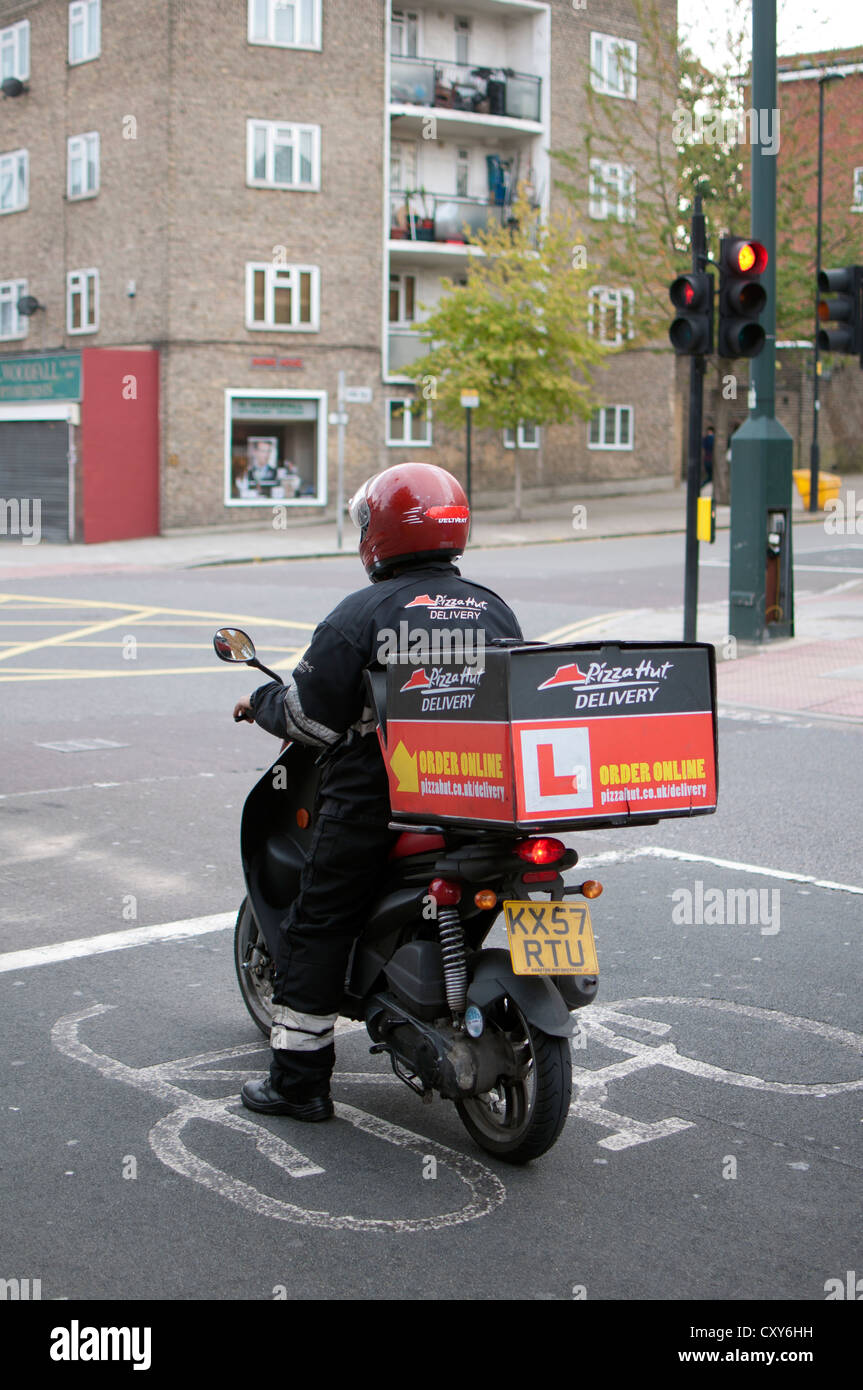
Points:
454	1018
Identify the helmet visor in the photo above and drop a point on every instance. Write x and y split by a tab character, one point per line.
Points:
358	507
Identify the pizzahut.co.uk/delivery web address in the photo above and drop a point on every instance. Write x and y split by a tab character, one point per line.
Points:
653	793
444	788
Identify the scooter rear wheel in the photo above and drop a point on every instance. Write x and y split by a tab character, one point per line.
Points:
522	1117
254	967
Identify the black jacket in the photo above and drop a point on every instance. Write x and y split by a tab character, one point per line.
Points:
325	697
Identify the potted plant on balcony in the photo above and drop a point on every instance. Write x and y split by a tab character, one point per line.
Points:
425	224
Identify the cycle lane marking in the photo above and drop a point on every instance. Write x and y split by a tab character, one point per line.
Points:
627	1132
486	1191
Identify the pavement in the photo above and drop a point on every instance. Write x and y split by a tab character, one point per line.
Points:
819	672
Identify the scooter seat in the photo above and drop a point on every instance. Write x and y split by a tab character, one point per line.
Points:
410	842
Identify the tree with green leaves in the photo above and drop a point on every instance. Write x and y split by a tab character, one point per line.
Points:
510	333
682	137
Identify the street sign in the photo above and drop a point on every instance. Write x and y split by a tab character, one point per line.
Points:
358	395
469	399
337	417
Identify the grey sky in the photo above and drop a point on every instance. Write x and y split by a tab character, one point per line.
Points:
802	27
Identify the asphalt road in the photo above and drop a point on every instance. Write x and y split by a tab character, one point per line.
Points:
714	1151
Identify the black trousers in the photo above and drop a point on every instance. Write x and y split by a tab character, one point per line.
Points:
340	880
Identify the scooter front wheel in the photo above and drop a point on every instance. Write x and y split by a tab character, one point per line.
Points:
522	1116
254	966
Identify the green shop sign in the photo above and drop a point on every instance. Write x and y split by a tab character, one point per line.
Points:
54	376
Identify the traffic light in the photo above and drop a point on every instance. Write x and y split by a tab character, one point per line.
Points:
691	332
741	297
845	307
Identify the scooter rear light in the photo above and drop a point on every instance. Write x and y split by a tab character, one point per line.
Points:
485	898
591	888
541	851
444	892
539	876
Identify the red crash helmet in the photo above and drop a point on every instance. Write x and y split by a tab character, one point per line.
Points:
410	512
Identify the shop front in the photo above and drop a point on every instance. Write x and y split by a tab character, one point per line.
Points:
275	448
79	443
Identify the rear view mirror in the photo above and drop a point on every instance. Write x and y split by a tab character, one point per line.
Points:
232	644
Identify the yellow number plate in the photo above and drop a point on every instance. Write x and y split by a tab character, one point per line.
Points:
548	938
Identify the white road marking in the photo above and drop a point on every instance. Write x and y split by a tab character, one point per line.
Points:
486	1190
592	1085
614	856
115	941
87	786
222	921
798	568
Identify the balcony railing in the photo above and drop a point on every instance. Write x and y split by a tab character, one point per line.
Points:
405	347
441	216
445	217
462	87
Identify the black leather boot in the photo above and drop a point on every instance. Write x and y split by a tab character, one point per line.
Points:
298	1103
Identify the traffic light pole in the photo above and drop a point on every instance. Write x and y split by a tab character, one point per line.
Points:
761	590
815	450
693	469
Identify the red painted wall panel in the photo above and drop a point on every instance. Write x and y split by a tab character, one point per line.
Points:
120	443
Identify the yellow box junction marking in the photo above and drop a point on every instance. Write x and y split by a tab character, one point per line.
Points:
151	616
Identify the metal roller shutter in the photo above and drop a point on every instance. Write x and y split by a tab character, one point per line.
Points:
34	462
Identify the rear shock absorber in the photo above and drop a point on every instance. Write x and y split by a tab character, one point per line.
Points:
454	961
446	896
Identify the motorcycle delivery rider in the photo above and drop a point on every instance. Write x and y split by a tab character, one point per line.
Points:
414	522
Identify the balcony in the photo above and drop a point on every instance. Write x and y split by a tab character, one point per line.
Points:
460	87
445	217
405	346
428	227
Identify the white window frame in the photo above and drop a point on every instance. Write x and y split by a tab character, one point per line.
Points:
15	40
611	191
81	11
601	299
285	133
403	321
614	66
857	191
413	412
78	146
78	282
462	27
462	173
16	162
510	439
405	23
288	394
603	441
283	277
405	157
269	39
10	292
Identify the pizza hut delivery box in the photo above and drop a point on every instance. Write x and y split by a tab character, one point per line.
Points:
559	736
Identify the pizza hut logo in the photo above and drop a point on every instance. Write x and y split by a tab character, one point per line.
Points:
436	679
442	603
599	673
564	675
418	681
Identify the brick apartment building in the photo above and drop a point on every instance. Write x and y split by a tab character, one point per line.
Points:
209	210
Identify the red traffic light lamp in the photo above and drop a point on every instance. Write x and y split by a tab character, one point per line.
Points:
845	307
691	332
741	297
